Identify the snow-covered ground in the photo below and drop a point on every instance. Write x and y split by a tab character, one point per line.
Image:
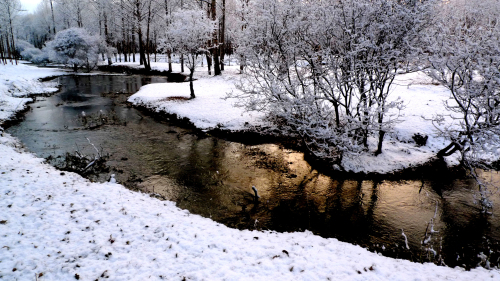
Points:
208	110
59	226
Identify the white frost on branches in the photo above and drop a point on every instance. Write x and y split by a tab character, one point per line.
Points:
323	71
465	58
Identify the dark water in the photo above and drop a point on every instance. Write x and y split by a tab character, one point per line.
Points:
213	177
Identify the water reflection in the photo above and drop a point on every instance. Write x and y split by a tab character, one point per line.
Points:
213	178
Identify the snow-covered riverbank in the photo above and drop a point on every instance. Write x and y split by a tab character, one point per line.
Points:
423	100
59	226
16	82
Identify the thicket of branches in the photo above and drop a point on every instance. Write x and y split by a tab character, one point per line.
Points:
9	11
324	71
128	26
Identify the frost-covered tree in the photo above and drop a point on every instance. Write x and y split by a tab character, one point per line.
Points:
188	34
465	58
323	70
75	47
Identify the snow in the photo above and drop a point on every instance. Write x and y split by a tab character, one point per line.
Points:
59	226
208	110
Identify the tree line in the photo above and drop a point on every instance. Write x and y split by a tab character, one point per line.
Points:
128	26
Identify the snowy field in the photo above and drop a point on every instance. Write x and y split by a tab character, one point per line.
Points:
59	226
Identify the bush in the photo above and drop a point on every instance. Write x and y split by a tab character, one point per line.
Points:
22	45
35	55
30	53
75	47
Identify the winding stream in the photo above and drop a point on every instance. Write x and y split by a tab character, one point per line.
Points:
213	177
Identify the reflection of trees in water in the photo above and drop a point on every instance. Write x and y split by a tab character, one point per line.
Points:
204	174
349	214
290	206
467	230
325	206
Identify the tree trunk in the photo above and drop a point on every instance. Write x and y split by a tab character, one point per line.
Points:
182	63
381	135
53	19
132	45
449	150
79	19
215	48
142	53
209	63
209	43
169	52
222	49
124	49
2	51
148	43
106	35
191	88
242	63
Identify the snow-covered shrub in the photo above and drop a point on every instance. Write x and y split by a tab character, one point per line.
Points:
30	53
22	45
75	47
41	58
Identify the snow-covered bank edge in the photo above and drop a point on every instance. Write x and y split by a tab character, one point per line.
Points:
16	93
59	226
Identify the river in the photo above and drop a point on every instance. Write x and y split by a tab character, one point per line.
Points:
213	177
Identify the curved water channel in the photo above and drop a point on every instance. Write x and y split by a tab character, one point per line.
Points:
213	177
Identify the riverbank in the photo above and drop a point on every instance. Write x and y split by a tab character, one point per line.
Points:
59	226
211	111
